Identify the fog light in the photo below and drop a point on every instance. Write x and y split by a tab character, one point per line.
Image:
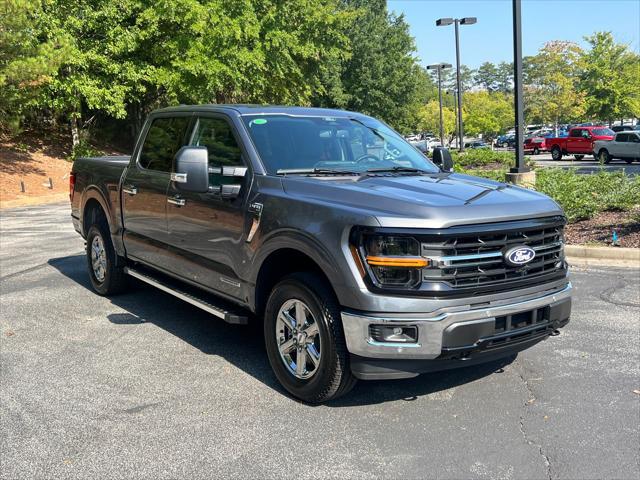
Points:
389	334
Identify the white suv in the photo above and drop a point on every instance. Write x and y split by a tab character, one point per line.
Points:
625	146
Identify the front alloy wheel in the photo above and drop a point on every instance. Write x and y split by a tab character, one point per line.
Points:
304	339
298	339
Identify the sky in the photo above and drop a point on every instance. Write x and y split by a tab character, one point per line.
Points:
491	39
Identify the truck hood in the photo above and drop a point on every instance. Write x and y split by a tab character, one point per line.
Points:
424	201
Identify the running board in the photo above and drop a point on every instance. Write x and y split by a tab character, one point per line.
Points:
190	297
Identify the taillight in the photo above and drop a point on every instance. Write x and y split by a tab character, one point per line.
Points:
72	185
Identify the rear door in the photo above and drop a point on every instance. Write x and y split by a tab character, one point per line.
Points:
145	188
619	145
206	231
633	145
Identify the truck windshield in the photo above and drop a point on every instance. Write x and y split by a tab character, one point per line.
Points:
303	144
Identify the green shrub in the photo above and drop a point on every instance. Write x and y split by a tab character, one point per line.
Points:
584	195
480	157
497	174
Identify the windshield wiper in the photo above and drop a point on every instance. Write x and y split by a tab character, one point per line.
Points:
317	171
396	169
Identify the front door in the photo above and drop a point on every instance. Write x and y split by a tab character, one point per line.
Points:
579	141
205	230
145	189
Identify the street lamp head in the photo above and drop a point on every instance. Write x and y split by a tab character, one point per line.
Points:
443	22
468	20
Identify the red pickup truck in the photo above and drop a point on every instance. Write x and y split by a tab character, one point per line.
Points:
579	142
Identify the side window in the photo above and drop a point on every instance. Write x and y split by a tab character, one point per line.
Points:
165	137
217	136
634	138
577	132
586	134
622	137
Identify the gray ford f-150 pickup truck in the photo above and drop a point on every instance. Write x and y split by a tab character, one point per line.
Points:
362	258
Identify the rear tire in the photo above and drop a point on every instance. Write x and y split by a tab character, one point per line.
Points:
556	154
302	321
106	271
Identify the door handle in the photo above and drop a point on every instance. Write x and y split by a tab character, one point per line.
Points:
180	202
130	189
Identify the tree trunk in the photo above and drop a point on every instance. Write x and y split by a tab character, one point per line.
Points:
75	131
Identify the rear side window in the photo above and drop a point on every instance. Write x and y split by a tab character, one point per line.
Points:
165	137
576	132
622	137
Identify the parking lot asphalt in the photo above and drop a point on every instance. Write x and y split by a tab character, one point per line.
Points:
587	164
143	385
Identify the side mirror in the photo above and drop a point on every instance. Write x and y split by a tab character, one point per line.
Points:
442	158
192	170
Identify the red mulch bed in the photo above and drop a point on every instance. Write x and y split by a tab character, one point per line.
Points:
599	229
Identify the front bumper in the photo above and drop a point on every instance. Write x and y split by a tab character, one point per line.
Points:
456	332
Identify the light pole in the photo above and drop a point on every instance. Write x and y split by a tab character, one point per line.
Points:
439	67
443	22
455	106
517	88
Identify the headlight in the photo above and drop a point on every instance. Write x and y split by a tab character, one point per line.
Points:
392	261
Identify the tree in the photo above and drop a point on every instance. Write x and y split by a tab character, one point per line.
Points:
610	79
381	77
429	119
486	113
28	62
487	77
505	77
551	84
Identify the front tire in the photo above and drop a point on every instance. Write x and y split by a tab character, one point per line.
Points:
604	156
305	341
556	154
536	151
105	272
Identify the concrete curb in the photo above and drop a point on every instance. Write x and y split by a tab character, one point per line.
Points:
603	256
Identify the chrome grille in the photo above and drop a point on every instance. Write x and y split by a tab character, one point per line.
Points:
467	259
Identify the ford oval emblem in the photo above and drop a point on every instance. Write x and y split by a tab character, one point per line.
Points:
517	256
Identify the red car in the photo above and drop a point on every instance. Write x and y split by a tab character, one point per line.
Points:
579	142
535	145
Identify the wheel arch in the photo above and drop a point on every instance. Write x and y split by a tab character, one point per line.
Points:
285	258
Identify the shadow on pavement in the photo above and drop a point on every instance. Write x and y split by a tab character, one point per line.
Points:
243	346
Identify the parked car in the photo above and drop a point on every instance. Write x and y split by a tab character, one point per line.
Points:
506	141
579	142
476	144
622	128
360	258
535	145
625	146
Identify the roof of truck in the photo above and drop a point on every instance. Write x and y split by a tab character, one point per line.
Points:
248	109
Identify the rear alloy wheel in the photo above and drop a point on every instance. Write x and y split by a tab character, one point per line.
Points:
556	154
604	156
106	271
579	157
305	341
